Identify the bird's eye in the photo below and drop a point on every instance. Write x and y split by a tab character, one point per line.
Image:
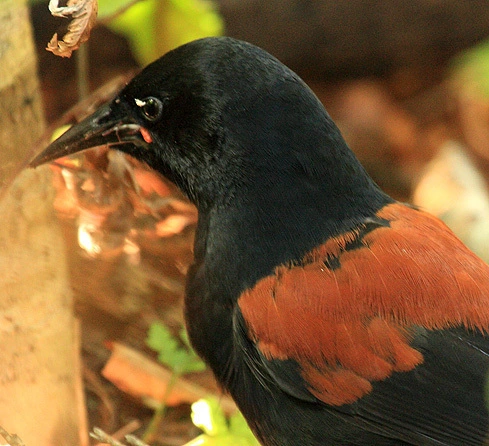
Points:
151	107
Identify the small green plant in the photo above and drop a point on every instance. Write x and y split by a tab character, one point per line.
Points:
176	353
218	430
178	356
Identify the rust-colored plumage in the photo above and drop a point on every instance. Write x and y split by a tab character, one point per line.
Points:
350	324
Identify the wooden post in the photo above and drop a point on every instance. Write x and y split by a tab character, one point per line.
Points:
39	377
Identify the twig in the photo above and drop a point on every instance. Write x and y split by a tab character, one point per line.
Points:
127	430
99	435
160	412
131	439
82	71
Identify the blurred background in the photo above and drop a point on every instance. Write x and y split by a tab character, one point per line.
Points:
406	82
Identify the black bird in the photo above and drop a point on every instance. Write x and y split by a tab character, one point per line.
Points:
331	313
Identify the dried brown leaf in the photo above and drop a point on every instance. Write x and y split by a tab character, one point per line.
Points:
83	14
141	377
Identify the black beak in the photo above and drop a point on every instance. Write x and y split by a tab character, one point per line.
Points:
106	127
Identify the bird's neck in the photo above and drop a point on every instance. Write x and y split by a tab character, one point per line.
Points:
246	239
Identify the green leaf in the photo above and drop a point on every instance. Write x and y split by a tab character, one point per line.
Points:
138	25
154	27
160	339
218	431
173	352
239	428
209	416
471	70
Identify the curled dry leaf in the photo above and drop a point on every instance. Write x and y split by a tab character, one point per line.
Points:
83	14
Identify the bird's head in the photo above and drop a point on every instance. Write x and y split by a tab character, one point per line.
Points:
215	115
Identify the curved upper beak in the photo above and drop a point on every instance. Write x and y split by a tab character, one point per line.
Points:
104	127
